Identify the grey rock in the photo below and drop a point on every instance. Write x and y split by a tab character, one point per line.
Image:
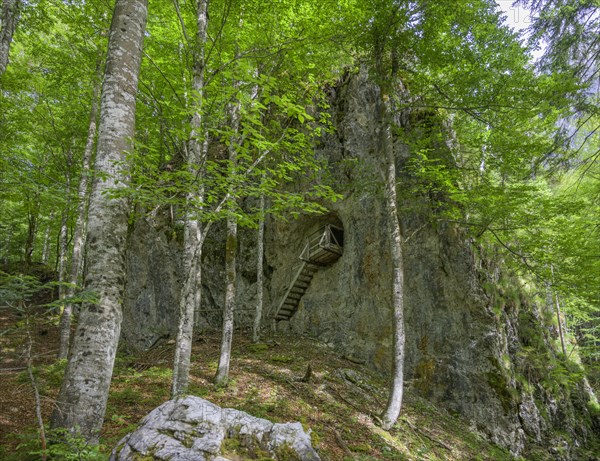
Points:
462	350
530	417
194	429
151	298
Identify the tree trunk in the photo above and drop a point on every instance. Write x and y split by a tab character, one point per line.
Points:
230	292
192	257
81	403
63	243
561	333
259	272
395	399
80	225
8	24
31	232
46	246
63	291
193	235
230	258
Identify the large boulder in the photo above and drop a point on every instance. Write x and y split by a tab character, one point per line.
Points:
194	429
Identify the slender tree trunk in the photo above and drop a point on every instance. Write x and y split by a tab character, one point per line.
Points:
193	235
63	243
81	403
394	404
63	236
259	271
46	246
80	225
230	294
63	291
7	250
561	333
8	23
32	225
192	257
230	258
36	392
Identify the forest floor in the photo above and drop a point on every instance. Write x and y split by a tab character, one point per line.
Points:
337	403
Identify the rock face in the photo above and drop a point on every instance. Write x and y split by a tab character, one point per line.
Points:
152	289
151	300
474	343
194	429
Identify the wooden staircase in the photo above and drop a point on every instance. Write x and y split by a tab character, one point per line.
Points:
322	248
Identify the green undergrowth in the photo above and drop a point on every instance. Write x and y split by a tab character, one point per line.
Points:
337	401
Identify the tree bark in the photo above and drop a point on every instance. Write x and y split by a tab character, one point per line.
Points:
193	234
32	225
80	225
230	258
62	291
8	23
561	333
81	403
260	249
63	243
394	404
46	245
230	292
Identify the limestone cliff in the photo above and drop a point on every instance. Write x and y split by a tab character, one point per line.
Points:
491	364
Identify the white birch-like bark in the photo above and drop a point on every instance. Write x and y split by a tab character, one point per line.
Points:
81	403
230	260
193	237
8	23
394	403
46	245
63	244
80	225
561	333
228	311
32	228
36	392
260	248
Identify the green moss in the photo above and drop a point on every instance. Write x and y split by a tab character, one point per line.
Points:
593	407
509	396
282	359
231	445
140	457
128	395
361	448
287	453
259	347
424	374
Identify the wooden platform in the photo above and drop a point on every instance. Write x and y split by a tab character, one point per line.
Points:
322	248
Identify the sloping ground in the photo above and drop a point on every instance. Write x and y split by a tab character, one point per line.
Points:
336	399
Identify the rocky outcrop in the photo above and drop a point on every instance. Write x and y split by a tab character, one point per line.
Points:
474	344
151	299
195	429
153	286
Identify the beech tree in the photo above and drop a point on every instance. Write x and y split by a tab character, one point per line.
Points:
8	23
80	226
82	399
194	233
